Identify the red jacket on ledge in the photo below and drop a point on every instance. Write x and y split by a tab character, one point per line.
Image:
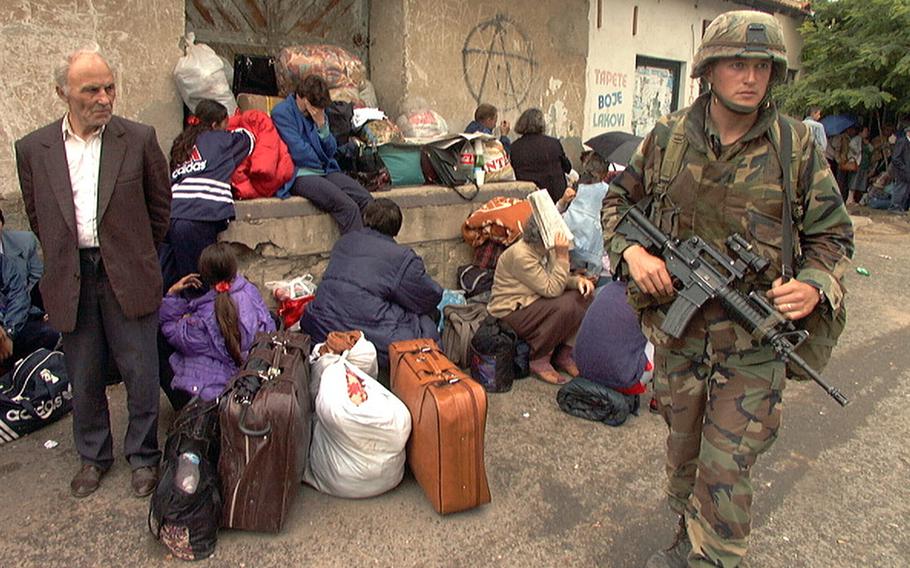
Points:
269	166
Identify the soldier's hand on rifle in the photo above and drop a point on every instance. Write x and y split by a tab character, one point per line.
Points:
794	299
648	271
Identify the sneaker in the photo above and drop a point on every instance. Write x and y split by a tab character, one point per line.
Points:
653	406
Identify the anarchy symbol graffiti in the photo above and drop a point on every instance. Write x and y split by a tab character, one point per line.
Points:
498	63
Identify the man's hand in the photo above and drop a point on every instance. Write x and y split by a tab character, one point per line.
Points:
6	346
188	281
794	299
648	271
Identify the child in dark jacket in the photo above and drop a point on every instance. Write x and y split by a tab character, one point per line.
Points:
212	334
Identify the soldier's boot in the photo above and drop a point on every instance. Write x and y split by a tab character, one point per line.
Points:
676	556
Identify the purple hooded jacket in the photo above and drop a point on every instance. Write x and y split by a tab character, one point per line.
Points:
201	363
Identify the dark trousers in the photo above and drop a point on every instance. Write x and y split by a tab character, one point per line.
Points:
102	331
180	251
338	195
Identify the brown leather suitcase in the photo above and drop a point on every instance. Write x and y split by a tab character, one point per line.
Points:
448	415
265	433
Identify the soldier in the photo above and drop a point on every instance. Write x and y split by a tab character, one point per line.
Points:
712	170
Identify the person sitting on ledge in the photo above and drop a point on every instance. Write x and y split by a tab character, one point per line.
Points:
375	285
485	117
534	293
301	122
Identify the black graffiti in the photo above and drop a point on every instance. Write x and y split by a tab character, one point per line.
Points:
498	63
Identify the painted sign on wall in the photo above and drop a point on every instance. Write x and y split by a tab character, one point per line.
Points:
609	100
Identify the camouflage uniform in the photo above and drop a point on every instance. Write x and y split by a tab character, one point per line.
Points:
718	390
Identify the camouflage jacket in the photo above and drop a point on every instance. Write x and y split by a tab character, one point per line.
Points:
719	191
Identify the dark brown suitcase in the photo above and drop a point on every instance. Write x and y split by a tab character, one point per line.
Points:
265	433
448	417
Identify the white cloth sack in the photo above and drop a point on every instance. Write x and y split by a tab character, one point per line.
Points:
362	355
357	450
200	75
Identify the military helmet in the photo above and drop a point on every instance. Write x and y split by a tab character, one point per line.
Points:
743	33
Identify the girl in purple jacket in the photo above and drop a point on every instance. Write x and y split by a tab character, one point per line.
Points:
212	334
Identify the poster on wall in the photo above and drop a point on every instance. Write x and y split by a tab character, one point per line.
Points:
656	93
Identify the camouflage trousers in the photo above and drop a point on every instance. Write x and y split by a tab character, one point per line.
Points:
722	404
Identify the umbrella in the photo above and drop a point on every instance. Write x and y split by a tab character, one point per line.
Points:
616	147
837	123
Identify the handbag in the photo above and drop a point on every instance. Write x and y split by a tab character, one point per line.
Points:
187	523
370	171
850	166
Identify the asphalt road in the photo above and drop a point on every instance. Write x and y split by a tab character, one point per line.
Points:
832	492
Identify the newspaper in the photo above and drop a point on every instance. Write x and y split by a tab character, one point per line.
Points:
548	218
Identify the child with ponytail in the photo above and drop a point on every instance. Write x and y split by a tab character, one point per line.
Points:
211	335
203	159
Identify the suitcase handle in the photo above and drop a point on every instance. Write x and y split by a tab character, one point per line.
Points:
244	407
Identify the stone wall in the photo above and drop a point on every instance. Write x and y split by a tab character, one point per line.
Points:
139	37
279	239
515	55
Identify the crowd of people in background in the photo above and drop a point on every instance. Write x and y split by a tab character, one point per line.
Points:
870	170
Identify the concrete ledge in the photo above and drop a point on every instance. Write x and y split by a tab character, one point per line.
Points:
281	238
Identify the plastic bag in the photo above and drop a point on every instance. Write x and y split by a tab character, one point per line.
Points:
358	446
360	352
292	289
496	162
200	75
422	123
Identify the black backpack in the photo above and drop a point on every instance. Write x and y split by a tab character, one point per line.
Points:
475	280
493	355
188	524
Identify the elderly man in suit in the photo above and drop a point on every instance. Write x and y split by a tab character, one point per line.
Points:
97	196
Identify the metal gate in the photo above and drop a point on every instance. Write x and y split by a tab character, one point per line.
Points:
265	26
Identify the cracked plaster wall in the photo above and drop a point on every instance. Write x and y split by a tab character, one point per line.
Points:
532	52
139	38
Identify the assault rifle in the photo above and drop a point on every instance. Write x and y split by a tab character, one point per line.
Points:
702	273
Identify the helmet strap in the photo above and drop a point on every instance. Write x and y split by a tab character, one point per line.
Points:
738	108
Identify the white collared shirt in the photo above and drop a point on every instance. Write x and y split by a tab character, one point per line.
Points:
84	160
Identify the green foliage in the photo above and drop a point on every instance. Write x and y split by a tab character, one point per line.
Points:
856	58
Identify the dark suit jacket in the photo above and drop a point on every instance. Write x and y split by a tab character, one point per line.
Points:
540	158
134	204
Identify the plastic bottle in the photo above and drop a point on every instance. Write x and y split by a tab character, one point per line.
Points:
187	476
479	172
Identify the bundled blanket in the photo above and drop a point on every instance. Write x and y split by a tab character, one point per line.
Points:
500	220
